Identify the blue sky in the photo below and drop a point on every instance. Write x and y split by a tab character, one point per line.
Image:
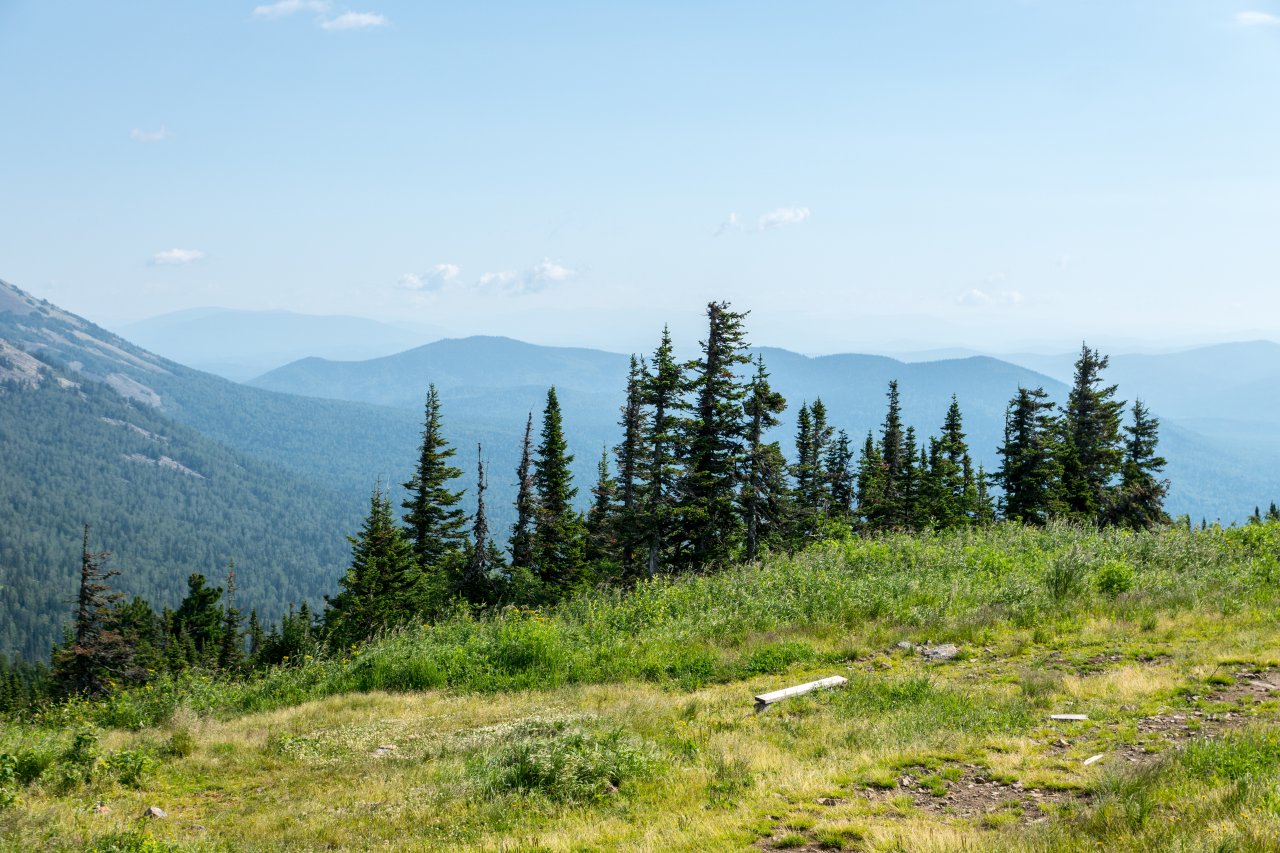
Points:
862	174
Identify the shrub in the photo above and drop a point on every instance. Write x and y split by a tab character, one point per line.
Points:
1114	578
129	766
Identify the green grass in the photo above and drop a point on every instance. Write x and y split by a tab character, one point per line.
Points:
624	720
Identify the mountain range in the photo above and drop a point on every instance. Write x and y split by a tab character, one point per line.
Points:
179	470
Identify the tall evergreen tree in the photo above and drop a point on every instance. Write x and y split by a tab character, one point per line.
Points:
839	474
870	483
1091	451
602	549
483	560
1030	473
630	456
664	398
231	641
526	504
558	530
95	655
955	492
761	496
1139	501
198	621
714	443
437	525
383	585
890	509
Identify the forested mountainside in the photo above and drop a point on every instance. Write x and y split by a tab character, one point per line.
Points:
165	499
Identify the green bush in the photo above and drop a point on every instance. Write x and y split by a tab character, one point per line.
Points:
129	766
1114	578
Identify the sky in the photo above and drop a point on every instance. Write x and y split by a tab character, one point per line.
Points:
861	175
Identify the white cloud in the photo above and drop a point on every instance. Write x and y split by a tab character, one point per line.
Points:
783	216
730	224
177	256
284	8
140	135
533	280
432	280
976	298
354	21
1257	19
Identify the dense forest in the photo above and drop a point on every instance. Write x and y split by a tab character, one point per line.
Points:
692	485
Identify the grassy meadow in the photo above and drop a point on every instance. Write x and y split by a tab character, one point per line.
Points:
625	720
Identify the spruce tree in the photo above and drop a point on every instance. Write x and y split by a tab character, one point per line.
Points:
630	457
870	483
198	621
436	523
602	552
95	655
1030	473
714	443
1091	450
1139	501
761	496
839	473
382	586
558	529
890	508
656	491
954	490
231	641
477	583
526	504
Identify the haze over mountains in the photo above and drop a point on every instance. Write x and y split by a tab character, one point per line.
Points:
180	470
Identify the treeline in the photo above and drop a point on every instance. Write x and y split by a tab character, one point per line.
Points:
693	484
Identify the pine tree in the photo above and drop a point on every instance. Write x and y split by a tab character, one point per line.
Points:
526	505
483	560
839	473
761	498
714	444
630	456
436	523
382	587
558	530
656	491
1030	472
1139	501
602	548
1091	450
231	643
95	655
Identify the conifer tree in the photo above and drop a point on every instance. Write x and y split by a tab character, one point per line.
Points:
840	478
1091	450
95	654
1030	472
714	443
231	641
1139	500
526	504
602	552
761	494
954	490
656	491
483	560
436	523
870	482
889	510
630	456
198	621
256	638
558	530
382	587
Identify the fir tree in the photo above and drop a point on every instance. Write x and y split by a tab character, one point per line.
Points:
381	588
714	443
436	523
95	655
954	490
256	639
630	456
761	499
1030	473
602	550
231	643
1139	501
198	621
870	482
1091	451
558	531
839	473
890	507
484	561
526	505
664	392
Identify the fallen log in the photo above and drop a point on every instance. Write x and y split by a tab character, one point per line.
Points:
764	700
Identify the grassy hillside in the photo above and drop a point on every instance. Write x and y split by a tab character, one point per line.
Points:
626	720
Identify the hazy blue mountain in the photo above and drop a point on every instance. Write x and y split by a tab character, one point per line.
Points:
242	344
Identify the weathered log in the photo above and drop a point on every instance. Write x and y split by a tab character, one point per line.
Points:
764	700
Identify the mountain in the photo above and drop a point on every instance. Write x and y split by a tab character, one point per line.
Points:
242	344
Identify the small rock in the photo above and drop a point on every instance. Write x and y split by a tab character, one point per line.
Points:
938	654
906	781
155	812
1017	786
101	808
884	664
1263	685
828	801
907	645
385	749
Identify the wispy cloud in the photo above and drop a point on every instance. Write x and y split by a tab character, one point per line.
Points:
177	256
354	21
432	280
1257	19
284	8
140	135
776	218
535	279
976	298
783	216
